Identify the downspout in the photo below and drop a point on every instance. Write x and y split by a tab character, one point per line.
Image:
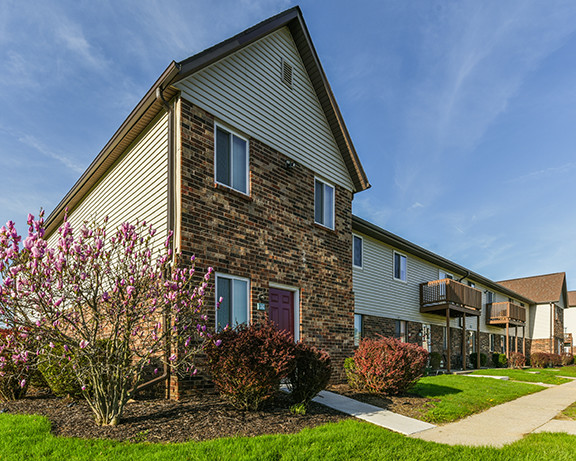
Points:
165	318
465	276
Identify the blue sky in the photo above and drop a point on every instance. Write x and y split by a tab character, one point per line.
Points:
463	112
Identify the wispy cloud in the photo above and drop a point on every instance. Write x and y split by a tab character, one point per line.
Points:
31	141
544	173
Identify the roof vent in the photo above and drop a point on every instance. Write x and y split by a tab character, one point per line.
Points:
287	72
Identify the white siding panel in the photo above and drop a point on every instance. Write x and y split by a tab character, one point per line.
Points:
377	293
541	327
245	91
136	188
570	320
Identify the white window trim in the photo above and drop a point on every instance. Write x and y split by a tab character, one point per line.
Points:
353	252
323	181
296	292
394	266
244	138
248	291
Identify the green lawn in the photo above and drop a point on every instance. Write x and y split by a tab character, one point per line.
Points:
461	396
28	438
570	412
568	371
542	375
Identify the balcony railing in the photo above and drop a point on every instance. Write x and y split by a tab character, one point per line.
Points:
505	312
568	338
448	293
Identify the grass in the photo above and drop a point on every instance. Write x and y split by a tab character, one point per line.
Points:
28	438
544	375
570	412
568	371
460	396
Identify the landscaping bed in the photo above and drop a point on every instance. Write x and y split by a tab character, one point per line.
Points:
201	416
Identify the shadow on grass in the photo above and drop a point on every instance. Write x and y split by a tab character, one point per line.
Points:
433	390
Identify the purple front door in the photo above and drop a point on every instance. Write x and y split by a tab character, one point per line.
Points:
281	304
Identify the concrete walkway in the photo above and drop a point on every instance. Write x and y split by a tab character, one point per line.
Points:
372	414
510	421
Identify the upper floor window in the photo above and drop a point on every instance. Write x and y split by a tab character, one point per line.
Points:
489	297
357	251
445	275
234	292
399	267
324	204
231	160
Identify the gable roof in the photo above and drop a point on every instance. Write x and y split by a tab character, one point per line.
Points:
541	288
572	299
387	237
151	105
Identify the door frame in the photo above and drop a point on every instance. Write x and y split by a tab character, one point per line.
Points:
296	300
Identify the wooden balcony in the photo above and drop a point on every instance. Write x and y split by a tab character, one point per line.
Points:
438	296
506	313
568	338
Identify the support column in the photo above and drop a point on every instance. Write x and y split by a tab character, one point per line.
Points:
478	342
449	347
464	341
507	340
524	341
516	337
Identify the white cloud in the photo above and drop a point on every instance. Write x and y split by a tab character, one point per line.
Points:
31	141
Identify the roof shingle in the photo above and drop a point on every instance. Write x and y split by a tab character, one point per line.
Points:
541	288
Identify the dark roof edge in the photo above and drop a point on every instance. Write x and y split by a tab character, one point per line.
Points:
367	228
166	79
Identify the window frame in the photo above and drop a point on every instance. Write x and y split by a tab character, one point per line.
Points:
325	184
358	332
361	266
232	133
401	330
405	279
220	275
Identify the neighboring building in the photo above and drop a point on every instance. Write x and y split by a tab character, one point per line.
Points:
570	323
406	291
242	151
547	316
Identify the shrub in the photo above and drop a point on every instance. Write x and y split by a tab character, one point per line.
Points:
516	360
435	360
351	374
59	374
388	366
555	360
567	359
310	374
16	368
474	357
499	360
540	359
247	363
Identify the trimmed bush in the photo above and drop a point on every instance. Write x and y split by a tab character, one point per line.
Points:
516	360
310	374
540	359
555	360
567	359
435	360
59	374
474	356
15	370
350	370
247	363
499	360
388	366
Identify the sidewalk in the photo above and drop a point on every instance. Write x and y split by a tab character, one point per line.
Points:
510	421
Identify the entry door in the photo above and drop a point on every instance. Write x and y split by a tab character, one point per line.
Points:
281	305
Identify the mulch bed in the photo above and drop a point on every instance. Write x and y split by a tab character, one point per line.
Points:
201	416
410	405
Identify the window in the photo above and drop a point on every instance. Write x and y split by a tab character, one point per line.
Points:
231	160
427	337
401	330
357	329
471	284
234	293
489	297
399	267
323	204
445	275
472	341
492	342
503	344
357	251
444	339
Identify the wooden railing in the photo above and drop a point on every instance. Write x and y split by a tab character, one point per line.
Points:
568	338
505	312
448	291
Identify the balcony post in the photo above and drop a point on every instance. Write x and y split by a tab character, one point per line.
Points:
516	337
449	353
524	340
478	342
464	341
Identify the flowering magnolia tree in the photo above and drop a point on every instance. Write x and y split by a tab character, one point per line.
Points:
103	303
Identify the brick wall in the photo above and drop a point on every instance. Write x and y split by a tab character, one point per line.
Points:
269	236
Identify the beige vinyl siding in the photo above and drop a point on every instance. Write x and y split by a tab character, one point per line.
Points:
245	91
136	187
570	320
377	293
541	321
